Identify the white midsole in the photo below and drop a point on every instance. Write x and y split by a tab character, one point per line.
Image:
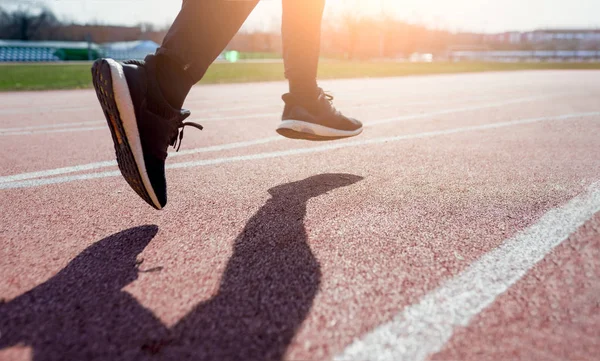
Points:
127	114
316	129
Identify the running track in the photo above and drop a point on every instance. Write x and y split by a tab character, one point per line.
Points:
463	224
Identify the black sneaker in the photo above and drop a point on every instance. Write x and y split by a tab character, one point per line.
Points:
320	121
142	123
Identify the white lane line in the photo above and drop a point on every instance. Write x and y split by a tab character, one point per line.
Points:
297	151
76	126
50	131
45	126
343	100
112	163
44	111
251	100
195	102
456	110
423	329
22	131
90	166
57	171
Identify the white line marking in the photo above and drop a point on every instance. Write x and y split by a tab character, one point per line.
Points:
112	163
298	151
44	111
423	329
57	171
227	146
50	131
195	102
90	166
44	126
22	131
75	126
456	110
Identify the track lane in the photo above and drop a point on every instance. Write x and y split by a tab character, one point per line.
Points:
247	133
425	209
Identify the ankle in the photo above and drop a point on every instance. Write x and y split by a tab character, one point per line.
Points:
303	89
174	83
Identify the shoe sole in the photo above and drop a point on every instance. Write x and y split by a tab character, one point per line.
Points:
113	93
298	129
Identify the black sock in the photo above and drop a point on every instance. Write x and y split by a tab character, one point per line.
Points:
305	93
304	89
174	83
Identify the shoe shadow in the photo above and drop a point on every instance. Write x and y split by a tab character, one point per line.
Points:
265	294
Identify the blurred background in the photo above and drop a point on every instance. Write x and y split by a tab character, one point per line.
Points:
408	30
456	35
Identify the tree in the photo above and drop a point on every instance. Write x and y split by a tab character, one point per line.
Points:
26	24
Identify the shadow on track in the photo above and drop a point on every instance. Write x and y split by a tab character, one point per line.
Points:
265	294
82	312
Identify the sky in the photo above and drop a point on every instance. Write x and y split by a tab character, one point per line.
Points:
455	15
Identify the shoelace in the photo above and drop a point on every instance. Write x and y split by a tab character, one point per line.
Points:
178	137
328	96
179	134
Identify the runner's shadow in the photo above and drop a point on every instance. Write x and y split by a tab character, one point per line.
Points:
82	313
268	286
265	294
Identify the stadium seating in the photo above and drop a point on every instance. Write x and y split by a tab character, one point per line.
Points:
18	54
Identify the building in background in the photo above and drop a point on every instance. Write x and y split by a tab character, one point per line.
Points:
351	38
559	39
129	49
